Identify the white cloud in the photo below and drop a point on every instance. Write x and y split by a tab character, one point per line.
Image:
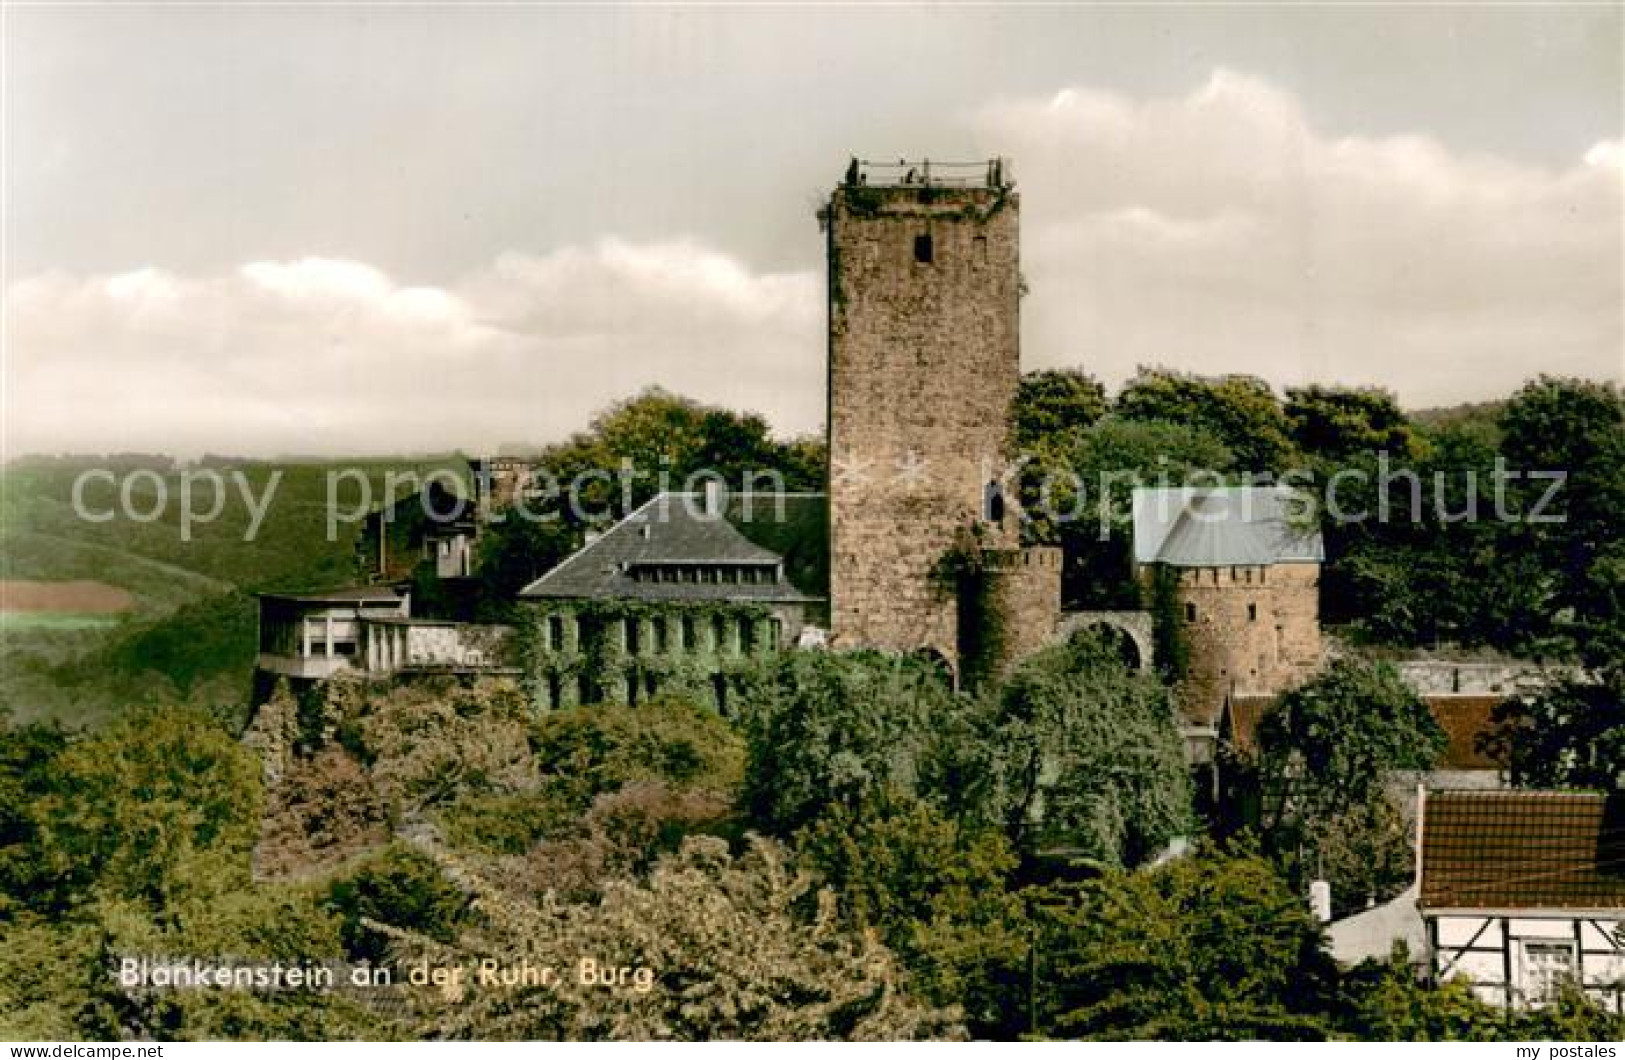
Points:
322	355
1221	231
1217	231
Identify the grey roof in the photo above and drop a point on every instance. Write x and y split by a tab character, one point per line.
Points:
674	529
357	594
1223	526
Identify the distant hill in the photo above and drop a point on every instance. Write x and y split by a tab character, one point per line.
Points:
1454	415
188	631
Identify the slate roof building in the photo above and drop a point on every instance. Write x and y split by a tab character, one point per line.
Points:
682	591
1242	567
1522	890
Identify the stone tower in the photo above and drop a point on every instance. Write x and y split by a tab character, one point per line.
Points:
924	360
1240	578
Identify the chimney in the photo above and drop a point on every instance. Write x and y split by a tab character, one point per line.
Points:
1320	900
714	493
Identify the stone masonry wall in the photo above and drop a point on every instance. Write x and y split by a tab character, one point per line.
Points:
924	360
1255	631
1017	605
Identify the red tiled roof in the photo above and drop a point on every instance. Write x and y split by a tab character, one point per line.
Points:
1523	850
1464	719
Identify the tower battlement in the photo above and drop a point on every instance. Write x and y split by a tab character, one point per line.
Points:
924	173
924	362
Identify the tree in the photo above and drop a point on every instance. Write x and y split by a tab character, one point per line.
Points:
662	439
589	751
397	885
160	806
1240	410
28	757
1417	555
632	450
1213	946
1571	735
1335	423
1572	1016
714	946
1077	490
513	553
1054	405
938	892
1331	740
1086	756
1386	1002
1326	750
827	729
1577	427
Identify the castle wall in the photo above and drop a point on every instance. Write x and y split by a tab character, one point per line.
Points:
1248	631
924	361
1431	677
1011	610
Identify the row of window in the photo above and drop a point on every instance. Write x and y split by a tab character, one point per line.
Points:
1237	574
681	574
670	634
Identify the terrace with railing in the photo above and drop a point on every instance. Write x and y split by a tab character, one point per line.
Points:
994	173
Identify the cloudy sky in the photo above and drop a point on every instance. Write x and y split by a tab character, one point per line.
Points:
370	229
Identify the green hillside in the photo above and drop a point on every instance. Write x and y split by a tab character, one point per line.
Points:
189	634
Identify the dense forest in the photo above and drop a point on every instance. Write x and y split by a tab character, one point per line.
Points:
854	850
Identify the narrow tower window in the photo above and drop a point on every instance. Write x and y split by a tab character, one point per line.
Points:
993	504
924	254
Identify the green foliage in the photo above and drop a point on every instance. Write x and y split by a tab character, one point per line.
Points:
1331	740
599	660
1487	574
1171	642
1335	423
1053	405
1207	947
1076	492
1086	756
1578	427
161	806
396	886
1571	735
727	942
659	440
1387	1002
427	743
584	753
1324	751
936	890
28	756
54	984
588	751
137	842
826	729
1570	1017
513	553
507	823
1240	410
620	836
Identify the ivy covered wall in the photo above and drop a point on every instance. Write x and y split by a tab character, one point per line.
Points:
625	651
